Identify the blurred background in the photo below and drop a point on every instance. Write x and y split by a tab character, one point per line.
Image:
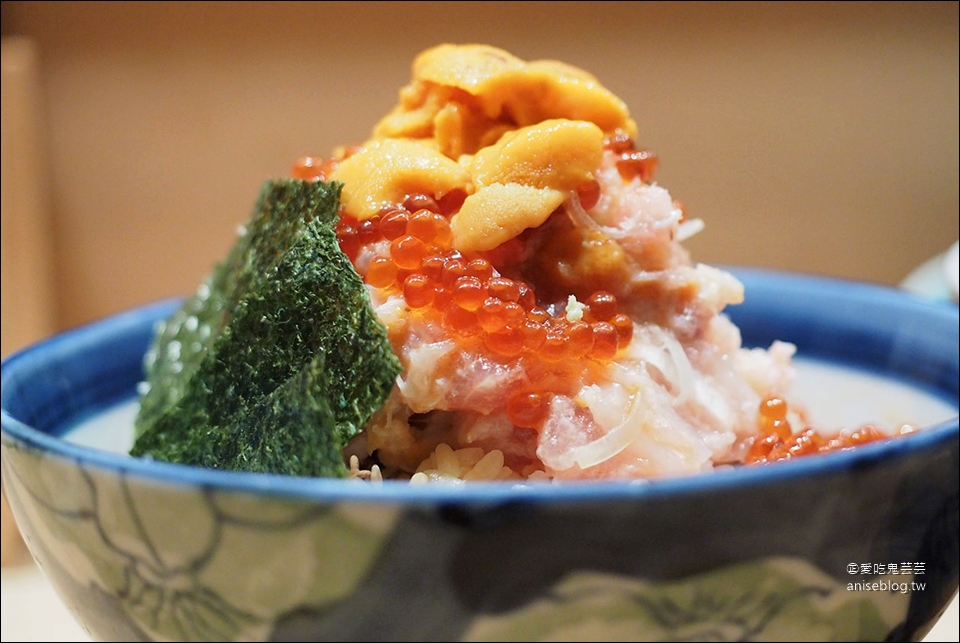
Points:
819	137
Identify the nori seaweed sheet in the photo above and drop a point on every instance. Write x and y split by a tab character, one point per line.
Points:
278	359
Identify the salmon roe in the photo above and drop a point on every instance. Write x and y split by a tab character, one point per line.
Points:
312	168
777	440
631	162
468	294
528	410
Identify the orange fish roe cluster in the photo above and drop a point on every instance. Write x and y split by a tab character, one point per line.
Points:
631	162
312	168
777	441
470	296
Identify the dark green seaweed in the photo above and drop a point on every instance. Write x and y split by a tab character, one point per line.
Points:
278	359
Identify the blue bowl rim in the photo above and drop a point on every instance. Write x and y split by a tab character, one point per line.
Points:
929	439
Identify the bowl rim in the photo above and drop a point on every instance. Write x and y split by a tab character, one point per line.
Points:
20	435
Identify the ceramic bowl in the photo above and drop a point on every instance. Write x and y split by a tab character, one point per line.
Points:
860	544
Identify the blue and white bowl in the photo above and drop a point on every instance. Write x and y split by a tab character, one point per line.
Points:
860	544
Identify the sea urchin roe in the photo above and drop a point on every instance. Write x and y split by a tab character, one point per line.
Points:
494	142
464	96
383	172
523	178
499	212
